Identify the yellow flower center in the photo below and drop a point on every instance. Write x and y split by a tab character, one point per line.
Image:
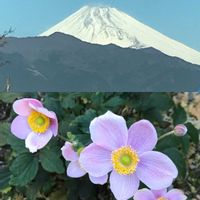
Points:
125	160
38	122
161	198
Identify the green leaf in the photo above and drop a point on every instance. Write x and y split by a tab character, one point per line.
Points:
50	160
84	139
53	145
178	160
84	120
97	100
68	124
160	101
174	141
167	142
53	104
152	106
4	132
16	144
153	115
4	178
69	102
9	97
42	183
179	116
31	192
193	132
114	102
24	169
185	141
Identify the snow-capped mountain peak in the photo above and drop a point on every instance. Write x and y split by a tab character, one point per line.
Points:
98	25
106	25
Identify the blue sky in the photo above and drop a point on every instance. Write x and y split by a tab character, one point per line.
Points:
178	19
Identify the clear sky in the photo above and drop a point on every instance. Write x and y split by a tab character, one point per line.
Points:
178	19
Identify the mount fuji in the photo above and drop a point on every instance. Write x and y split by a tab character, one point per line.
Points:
106	25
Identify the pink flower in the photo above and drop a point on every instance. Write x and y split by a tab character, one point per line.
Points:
127	154
34	123
74	168
145	194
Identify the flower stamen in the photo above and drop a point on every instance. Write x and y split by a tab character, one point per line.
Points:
161	198
38	122
125	160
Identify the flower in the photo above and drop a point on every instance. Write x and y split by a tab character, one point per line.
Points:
180	130
127	154
145	194
34	123
74	168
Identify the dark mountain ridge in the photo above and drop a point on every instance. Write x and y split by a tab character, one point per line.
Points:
63	63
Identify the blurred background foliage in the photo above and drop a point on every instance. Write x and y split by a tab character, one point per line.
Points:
42	175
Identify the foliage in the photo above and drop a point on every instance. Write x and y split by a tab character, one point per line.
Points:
42	174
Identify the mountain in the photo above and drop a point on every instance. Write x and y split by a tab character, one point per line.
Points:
62	62
106	25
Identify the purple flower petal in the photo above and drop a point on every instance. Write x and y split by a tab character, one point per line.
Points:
123	186
20	127
159	193
74	170
144	194
54	126
96	160
44	111
109	131
36	141
99	180
21	107
68	152
142	136
156	170
175	194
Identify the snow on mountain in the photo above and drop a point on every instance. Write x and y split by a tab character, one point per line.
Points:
106	25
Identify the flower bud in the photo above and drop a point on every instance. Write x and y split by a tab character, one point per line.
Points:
180	130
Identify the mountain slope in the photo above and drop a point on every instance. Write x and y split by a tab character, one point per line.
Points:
105	25
63	63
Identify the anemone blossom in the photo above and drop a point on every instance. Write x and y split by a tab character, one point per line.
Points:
146	194
127	154
34	123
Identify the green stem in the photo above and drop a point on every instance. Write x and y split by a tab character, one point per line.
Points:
62	138
165	135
